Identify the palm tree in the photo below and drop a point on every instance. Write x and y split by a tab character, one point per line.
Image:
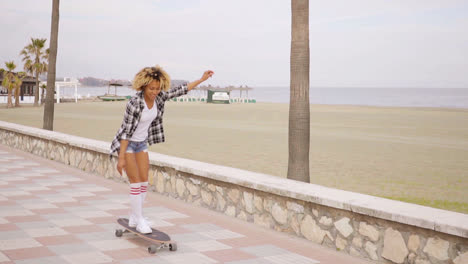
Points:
35	61
49	105
299	108
9	79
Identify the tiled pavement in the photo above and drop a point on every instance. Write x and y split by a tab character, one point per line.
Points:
51	213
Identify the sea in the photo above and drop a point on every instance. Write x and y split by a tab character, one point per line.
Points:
399	97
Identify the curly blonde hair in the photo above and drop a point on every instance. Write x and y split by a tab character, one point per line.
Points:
148	74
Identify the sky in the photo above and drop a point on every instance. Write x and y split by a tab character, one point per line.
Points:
358	43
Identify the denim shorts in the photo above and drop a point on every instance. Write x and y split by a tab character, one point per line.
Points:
135	147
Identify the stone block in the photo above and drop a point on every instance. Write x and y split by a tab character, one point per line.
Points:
230	211
357	242
461	259
394	246
263	220
221	203
242	215
371	250
195	181
248	202
311	231
193	189
421	261
211	187
233	195
437	248
258	201
279	213
160	182
295	225
413	243
295	207
206	197
267	204
180	187
326	221
341	243
315	213
369	231
344	227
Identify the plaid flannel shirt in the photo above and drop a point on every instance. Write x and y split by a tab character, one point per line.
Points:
132	117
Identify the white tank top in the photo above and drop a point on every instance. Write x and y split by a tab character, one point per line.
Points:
147	116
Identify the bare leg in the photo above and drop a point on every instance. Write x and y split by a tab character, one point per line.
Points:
132	168
142	161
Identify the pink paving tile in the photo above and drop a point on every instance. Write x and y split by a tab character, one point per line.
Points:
68	204
27	218
57	240
187	220
83	229
41	192
228	255
7	202
245	241
86	198
48	211
118	212
36	252
102	220
124	254
38	178
8	227
23	197
172	230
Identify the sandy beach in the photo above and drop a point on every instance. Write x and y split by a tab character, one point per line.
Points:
418	155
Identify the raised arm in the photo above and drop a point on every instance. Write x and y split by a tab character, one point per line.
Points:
206	75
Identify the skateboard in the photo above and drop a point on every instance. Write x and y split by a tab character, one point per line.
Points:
158	238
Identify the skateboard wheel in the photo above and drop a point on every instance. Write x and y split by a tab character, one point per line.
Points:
152	249
173	247
118	232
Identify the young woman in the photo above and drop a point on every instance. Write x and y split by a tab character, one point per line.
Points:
142	126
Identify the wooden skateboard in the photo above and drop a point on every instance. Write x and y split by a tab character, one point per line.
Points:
160	239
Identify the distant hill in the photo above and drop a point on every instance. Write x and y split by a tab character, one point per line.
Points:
91	81
178	82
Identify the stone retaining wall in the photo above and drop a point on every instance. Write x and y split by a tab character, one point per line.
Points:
381	230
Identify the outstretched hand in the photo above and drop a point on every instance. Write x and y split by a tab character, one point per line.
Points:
206	75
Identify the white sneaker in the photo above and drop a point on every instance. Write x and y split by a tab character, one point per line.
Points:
143	227
132	221
148	221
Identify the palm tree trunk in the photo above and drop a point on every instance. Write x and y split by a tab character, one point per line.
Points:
299	108
9	101
17	93
42	96
36	91
49	105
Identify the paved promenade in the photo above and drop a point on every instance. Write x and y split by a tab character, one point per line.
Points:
54	214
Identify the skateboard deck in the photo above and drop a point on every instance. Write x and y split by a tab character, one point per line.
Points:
158	238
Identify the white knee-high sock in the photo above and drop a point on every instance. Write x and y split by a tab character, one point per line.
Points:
144	186
135	200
